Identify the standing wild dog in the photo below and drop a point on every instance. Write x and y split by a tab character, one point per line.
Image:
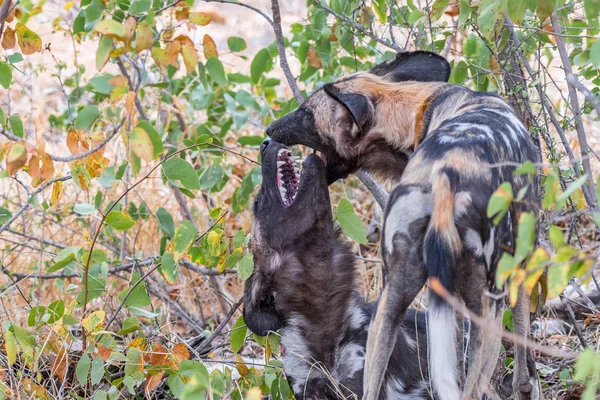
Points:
304	282
465	145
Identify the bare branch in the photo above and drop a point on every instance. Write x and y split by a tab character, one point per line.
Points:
574	103
282	56
548	108
235	3
379	193
589	96
138	104
358	27
4	11
28	202
207	342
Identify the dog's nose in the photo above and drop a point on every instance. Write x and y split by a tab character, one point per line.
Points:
264	145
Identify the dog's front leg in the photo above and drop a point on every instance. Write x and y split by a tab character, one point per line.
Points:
525	379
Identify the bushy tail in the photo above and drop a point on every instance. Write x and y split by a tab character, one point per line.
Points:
442	247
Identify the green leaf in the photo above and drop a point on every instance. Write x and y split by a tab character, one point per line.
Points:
557	237
245	267
83	369
489	13
381	9
216	71
138	296
236	44
139	7
16	125
251	140
280	389
133	358
5	215
184	237
84	209
238	334
595	53
350	223
439	6
545	8
516	11
190	368
119	221
176	385
97	370
35	315
526	236
165	222
130	325
55	310
96	287
110	27
5	75
259	65
500	202
178	169
60	264
558	278
527	168
86	117
103	52
168	267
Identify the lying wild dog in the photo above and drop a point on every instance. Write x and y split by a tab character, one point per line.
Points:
304	283
465	145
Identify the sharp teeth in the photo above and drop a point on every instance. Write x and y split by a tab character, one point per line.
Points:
294	158
280	163
299	161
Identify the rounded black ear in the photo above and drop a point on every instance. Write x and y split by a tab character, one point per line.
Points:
421	66
260	313
359	106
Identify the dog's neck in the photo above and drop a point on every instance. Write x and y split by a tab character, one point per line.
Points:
318	295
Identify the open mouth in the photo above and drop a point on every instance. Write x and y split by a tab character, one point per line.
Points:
288	174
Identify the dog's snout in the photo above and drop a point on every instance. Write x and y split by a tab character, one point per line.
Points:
264	145
270	130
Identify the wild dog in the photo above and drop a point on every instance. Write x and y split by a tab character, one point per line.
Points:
464	144
304	282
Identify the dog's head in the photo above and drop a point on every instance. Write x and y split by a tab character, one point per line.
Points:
292	220
340	120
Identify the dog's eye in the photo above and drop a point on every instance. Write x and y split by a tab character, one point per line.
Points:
308	115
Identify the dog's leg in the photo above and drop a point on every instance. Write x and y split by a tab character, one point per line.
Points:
525	380
491	346
404	228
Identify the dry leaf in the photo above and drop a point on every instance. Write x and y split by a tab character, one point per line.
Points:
29	41
59	365
73	141
210	48
16	157
313	58
240	365
9	39
129	29
189	53
56	192
181	352
152	381
144	37
159	355
104	352
199	18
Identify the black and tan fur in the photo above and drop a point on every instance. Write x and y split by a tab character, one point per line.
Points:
465	145
304	283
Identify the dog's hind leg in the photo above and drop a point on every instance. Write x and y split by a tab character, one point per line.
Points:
404	228
525	380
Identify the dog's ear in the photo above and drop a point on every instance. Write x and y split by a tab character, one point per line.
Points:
260	314
421	66
359	106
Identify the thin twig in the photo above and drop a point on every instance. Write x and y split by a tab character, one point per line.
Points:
4	11
571	316
235	3
281	48
28	202
379	193
205	343
484	324
551	115
589	96
358	27
574	104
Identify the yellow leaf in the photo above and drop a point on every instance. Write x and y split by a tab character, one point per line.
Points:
16	158
144	37
93	321
189	53
129	29
199	18
210	48
240	365
9	40
56	192
118	93
141	144
515	283
181	352
29	41
111	28
129	102
10	345
69	5
118	80
254	394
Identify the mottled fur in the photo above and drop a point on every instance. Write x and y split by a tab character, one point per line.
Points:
465	145
304	283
